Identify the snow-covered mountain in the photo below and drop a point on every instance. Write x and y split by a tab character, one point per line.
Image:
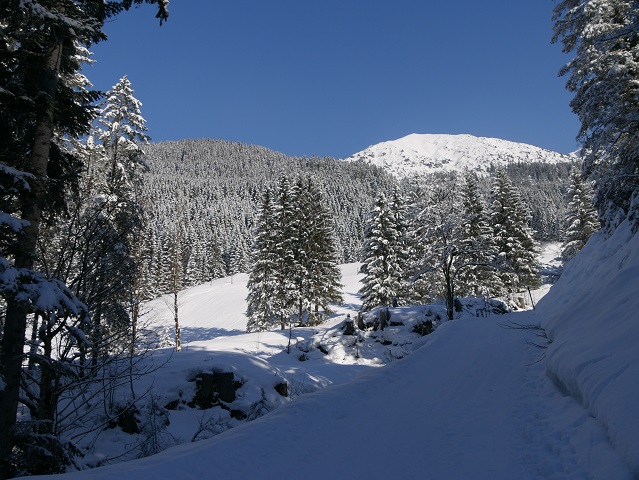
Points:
419	154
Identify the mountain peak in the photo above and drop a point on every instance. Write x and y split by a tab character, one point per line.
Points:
420	154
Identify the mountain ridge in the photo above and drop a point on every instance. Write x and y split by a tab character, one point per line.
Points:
423	154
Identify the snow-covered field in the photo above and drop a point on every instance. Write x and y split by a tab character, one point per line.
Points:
471	400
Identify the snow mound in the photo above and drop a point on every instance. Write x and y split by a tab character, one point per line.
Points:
420	154
590	315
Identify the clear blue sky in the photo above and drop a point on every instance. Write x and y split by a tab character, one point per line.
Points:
332	77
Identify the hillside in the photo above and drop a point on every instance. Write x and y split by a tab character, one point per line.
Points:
423	154
207	192
475	399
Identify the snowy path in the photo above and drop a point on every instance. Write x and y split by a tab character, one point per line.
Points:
470	403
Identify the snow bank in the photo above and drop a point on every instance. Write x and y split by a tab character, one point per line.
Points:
590	315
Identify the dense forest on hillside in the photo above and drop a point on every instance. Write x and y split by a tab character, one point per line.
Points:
204	194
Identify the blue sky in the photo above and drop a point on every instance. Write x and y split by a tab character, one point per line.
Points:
330	78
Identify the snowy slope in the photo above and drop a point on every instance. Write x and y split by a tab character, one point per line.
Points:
591	316
419	154
471	401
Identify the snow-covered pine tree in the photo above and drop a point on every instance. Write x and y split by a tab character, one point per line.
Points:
122	131
383	277
118	206
477	276
262	310
322	269
581	219
405	242
516	247
604	78
40	52
285	296
299	234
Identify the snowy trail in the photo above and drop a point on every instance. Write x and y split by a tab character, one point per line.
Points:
470	403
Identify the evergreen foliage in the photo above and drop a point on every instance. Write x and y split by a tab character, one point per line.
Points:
603	76
44	101
295	265
261	310
215	187
581	219
478	277
457	254
513	236
383	256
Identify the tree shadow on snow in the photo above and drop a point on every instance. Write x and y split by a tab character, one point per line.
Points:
198	334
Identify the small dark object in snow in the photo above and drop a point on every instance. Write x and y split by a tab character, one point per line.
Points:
282	389
322	349
303	357
360	321
423	328
238	414
348	327
213	388
127	420
458	305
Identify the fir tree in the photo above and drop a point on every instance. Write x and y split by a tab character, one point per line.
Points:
604	78
383	276
322	270
38	60
287	271
581	220
262	310
514	240
478	277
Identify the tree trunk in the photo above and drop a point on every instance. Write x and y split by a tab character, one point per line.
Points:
11	354
178	345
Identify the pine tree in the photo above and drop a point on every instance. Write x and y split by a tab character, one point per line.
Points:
122	132
477	276
581	220
287	271
383	277
38	58
604	78
294	258
262	310
514	240
321	285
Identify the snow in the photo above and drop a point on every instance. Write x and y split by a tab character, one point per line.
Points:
474	399
591	317
419	154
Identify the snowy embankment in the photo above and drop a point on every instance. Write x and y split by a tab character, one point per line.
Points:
592	317
472	400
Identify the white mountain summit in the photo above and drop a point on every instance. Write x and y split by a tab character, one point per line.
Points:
419	154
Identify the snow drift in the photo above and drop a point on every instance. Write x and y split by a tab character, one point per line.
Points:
590	316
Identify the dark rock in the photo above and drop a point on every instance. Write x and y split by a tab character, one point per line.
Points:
238	414
423	328
173	405
127	420
213	388
282	389
348	327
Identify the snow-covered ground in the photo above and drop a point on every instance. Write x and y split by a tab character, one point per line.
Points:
471	400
